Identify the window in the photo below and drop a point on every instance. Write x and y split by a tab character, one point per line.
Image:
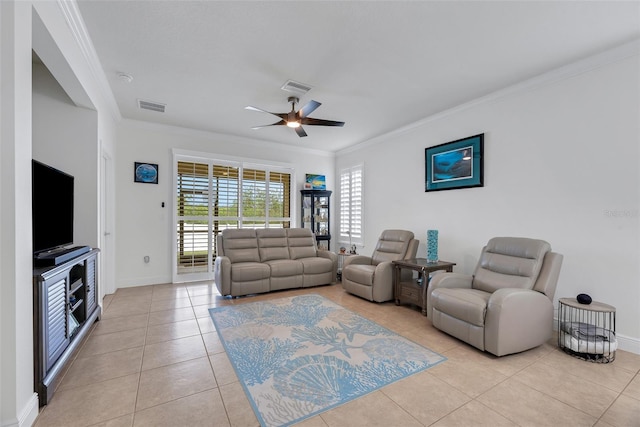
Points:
351	205
213	195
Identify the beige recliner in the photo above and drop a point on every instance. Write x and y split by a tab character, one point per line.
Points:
507	305
372	277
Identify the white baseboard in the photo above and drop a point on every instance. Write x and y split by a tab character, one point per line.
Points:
26	417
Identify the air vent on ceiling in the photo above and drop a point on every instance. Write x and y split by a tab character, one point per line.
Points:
152	106
296	87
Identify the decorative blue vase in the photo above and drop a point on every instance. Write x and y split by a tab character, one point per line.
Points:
432	245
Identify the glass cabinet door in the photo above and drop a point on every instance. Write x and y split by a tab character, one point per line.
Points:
316	213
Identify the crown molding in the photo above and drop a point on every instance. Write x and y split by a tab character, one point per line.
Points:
72	16
608	57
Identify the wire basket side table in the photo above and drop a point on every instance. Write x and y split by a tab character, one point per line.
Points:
587	331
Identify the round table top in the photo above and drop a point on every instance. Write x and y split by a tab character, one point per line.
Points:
594	306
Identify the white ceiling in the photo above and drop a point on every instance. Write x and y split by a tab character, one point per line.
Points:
376	65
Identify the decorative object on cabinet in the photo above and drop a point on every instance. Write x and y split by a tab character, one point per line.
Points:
315	214
455	164
318	182
145	172
65	306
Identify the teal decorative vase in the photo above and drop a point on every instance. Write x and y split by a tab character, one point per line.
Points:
432	245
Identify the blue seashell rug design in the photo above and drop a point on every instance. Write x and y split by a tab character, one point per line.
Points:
299	356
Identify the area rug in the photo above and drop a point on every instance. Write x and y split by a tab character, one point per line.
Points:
299	356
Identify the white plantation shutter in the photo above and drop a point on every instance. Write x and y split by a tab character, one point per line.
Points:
351	205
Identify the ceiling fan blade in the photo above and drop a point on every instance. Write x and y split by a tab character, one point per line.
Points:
308	108
300	132
320	122
281	122
281	115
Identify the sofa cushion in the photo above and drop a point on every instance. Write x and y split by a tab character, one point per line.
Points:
241	245
272	244
468	305
316	265
248	271
285	267
301	243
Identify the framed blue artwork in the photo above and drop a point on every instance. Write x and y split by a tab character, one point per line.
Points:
317	182
455	164
146	173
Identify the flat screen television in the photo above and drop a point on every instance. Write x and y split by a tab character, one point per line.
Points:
52	208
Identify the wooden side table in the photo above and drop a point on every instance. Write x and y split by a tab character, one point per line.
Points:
412	291
587	331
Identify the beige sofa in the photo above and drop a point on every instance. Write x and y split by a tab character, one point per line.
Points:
257	261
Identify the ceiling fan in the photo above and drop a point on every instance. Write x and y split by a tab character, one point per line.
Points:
295	119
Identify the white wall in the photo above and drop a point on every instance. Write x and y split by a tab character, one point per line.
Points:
65	136
561	164
143	227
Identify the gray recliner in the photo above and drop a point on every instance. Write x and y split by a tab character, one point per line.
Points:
372	277
507	305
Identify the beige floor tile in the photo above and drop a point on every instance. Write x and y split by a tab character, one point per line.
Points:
174	351
202	311
127	306
168	316
573	390
99	344
206	325
117	324
169	293
124	421
202	289
476	414
633	389
425	397
529	407
374	409
212	343
471	379
211	300
222	369
170	304
237	405
167	383
609	375
315	421
625	412
171	331
91	404
198	410
137	291
627	360
101	367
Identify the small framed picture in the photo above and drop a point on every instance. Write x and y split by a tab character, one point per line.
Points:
317	182
146	173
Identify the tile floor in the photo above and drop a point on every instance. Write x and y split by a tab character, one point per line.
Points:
154	359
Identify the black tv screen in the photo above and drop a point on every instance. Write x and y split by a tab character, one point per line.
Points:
52	207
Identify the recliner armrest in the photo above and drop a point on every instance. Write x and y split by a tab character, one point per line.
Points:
357	259
334	259
446	280
516	320
222	274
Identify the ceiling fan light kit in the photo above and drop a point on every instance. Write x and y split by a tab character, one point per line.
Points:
295	119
